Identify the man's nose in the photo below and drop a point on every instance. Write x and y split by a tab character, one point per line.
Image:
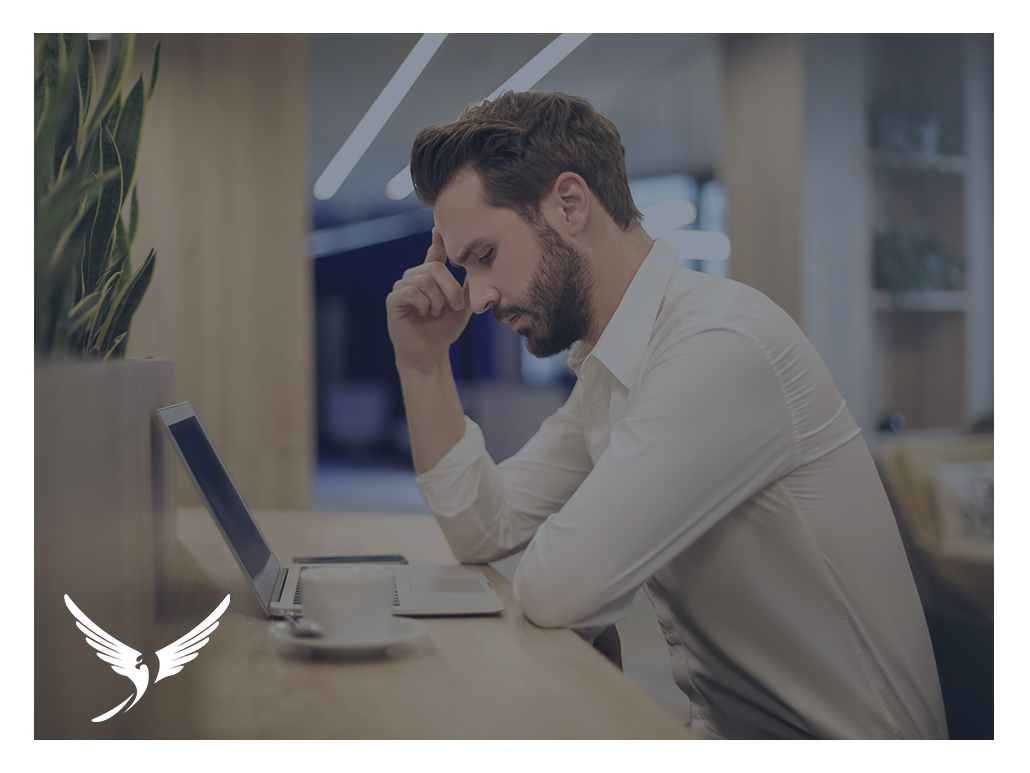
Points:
482	295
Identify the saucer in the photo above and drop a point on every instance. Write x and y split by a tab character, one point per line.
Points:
402	629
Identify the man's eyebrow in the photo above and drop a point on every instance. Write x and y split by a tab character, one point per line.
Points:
463	256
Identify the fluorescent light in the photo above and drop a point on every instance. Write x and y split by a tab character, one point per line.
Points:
332	241
536	68
668	216
400	186
526	78
698	245
377	116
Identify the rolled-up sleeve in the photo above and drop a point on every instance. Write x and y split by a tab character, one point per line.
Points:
488	511
694	442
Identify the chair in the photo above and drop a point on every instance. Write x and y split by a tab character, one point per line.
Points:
963	645
906	469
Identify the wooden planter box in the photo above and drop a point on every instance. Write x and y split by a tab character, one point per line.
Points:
104	526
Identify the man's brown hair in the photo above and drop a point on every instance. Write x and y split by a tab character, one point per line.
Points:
519	144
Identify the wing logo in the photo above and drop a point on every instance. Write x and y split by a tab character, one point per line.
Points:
127	662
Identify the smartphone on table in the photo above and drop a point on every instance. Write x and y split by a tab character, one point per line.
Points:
370	559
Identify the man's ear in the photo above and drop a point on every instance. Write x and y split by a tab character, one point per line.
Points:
573	196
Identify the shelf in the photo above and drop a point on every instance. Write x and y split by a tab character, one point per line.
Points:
898	162
935	300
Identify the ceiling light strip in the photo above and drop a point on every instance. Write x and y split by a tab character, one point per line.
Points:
536	68
526	78
377	116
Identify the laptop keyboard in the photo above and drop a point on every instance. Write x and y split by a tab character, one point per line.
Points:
396	595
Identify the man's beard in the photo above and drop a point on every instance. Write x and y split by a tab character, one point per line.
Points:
558	298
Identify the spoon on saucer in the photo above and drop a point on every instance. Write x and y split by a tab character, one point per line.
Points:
304	628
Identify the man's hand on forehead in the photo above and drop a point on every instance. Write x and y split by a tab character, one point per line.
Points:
427	309
436	253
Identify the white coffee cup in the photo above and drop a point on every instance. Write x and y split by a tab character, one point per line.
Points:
349	603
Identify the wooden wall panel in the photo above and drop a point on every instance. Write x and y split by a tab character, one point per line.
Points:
762	162
223	199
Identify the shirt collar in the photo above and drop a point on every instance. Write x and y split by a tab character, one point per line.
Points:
626	336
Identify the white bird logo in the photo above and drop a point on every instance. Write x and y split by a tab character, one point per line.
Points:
127	662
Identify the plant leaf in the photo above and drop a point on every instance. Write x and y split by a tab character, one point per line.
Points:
87	143
60	212
82	314
129	134
55	336
42	100
74	43
114	347
52	57
86	81
154	70
49	49
61	228
66	98
128	301
61	168
120	252
39	43
119	54
101	239
113	115
133	217
105	310
88	71
44	74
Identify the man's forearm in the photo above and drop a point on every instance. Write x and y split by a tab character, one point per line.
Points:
436	420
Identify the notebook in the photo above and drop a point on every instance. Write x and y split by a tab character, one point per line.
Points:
421	590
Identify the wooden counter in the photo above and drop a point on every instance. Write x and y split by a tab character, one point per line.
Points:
485	677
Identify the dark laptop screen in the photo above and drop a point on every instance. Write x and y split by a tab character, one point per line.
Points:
223	499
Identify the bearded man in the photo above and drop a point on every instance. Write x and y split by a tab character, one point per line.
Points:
704	453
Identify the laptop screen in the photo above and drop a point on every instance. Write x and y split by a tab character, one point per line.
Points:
222	497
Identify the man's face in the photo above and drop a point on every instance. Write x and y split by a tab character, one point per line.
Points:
530	276
557	303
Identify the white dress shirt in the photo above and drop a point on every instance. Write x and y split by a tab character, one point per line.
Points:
706	454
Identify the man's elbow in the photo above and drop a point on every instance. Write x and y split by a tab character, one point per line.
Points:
478	553
544	607
467	555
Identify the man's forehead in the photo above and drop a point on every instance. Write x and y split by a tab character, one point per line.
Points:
458	253
463	220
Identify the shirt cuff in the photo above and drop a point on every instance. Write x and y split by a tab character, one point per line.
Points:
456	473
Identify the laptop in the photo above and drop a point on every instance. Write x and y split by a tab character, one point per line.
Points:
420	590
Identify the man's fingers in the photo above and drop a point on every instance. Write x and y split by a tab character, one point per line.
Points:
436	264
428	286
445	281
419	293
429	289
436	253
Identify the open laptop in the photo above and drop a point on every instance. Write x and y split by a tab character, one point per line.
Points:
421	590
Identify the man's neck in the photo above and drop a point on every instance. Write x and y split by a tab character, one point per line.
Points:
615	255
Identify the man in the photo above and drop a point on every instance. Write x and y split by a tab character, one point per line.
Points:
704	452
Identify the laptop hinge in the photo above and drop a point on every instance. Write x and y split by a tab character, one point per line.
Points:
280	583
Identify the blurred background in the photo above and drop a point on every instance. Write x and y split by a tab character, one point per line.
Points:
853	175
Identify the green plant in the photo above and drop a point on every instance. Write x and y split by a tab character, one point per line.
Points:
911	259
86	153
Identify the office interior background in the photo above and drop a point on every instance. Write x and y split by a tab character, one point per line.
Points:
815	154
